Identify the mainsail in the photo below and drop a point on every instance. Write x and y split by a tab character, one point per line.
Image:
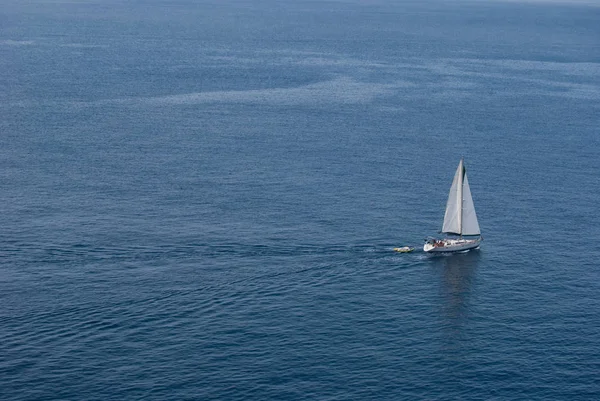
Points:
460	217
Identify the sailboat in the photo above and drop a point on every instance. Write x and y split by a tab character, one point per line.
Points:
460	218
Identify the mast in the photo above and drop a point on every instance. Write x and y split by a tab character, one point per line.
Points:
460	196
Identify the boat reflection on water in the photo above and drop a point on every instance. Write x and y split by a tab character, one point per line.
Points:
457	274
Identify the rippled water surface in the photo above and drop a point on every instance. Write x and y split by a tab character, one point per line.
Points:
200	200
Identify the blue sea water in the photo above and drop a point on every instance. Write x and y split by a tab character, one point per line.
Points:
200	200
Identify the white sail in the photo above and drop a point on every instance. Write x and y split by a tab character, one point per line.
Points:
470	226
452	217
460	217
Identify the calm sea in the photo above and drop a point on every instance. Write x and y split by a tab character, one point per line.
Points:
200	200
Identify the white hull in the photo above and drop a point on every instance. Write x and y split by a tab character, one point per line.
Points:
451	245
